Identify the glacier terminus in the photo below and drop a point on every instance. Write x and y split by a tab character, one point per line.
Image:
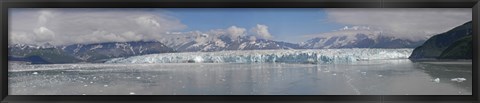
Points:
318	56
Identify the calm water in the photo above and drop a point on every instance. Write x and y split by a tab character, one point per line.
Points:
382	77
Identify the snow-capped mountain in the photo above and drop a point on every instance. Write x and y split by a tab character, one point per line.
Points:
358	37
115	49
86	52
206	43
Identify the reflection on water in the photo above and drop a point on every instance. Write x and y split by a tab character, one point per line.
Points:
385	77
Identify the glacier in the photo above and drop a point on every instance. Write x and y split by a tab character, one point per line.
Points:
314	56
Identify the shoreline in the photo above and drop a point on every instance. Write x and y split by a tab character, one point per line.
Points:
440	60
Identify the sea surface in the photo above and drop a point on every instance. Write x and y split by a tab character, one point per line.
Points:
373	77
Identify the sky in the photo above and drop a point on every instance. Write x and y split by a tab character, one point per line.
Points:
64	26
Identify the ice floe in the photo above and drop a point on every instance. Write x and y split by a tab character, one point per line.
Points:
458	79
436	80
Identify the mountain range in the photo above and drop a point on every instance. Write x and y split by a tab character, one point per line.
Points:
358	37
223	43
355	37
97	52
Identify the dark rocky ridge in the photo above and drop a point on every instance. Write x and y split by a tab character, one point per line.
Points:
453	44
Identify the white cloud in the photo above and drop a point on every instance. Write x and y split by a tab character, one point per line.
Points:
232	32
236	32
43	34
77	25
44	16
261	31
408	23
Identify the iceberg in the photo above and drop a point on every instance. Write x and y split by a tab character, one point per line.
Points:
458	79
436	80
314	56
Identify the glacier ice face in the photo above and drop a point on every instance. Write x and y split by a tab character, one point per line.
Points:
320	56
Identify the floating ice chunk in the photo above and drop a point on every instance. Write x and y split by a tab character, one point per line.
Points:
310	60
85	85
105	85
131	93
138	77
35	73
364	73
436	80
380	75
458	79
334	74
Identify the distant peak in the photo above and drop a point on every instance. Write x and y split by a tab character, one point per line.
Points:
356	28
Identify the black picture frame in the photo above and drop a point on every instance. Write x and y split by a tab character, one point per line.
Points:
5	4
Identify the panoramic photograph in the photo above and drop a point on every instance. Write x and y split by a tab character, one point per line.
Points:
240	51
